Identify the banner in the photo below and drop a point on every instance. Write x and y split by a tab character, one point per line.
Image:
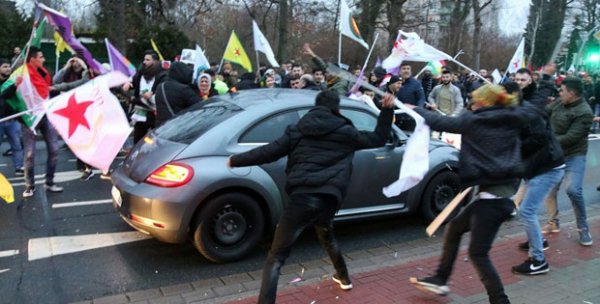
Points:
518	59
348	26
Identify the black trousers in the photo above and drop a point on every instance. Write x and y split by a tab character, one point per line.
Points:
303	211
483	218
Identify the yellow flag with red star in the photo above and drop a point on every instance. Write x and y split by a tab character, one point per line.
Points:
234	52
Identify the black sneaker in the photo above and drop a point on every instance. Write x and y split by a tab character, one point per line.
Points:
345	283
525	245
87	175
8	152
531	266
431	284
19	172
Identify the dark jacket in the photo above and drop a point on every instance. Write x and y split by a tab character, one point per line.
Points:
178	93
320	148
571	124
540	151
158	78
411	92
490	151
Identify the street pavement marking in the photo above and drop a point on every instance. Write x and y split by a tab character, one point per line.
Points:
59	177
84	203
7	253
4	270
40	248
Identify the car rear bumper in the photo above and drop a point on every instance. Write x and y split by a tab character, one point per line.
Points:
150	209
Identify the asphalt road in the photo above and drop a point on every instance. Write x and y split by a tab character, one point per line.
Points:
52	251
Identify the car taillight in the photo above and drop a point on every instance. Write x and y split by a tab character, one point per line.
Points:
171	175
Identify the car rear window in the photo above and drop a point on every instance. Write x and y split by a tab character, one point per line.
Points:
190	124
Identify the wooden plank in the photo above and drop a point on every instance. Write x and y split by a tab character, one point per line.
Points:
441	218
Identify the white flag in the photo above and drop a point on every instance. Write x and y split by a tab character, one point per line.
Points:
200	62
412	48
497	77
348	26
517	60
91	121
262	45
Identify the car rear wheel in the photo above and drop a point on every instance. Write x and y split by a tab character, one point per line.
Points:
228	227
441	189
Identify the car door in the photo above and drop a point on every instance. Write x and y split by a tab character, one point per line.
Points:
373	169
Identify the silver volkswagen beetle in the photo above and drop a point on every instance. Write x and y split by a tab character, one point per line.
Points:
175	185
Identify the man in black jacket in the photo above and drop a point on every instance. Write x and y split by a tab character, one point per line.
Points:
175	93
320	148
490	157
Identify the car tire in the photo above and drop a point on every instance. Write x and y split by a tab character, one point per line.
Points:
440	190
228	227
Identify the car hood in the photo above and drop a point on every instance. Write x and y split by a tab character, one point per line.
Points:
150	154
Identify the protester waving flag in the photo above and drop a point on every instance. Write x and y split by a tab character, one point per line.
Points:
234	52
262	45
118	62
348	26
91	121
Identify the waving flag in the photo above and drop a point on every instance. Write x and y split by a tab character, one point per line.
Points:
234	52
436	67
200	62
412	48
31	93
348	26
262	45
518	59
91	121
62	25
118	62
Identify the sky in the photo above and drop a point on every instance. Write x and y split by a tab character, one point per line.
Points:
513	14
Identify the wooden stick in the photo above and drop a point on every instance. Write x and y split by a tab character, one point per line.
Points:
437	222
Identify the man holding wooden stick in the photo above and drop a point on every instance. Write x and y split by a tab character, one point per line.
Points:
490	158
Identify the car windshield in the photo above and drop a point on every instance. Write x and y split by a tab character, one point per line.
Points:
190	124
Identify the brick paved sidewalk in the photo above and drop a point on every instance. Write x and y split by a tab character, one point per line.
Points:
380	275
574	278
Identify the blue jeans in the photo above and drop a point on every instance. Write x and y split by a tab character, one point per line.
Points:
51	138
537	189
573	182
12	129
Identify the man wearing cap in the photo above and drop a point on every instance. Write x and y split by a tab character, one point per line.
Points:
320	148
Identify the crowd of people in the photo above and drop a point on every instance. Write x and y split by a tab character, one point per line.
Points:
529	131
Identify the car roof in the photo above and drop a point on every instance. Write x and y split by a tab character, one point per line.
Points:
279	98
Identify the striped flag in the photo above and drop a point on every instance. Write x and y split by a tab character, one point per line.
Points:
436	67
348	26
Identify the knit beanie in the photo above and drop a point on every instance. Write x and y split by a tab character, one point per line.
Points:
493	95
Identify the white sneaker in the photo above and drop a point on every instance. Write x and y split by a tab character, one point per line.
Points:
29	191
53	188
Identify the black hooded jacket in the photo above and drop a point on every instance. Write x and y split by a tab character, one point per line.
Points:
175	94
320	149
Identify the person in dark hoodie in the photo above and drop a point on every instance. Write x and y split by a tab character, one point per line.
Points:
247	82
175	93
490	157
320	148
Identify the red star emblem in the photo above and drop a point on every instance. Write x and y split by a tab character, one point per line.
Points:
75	113
516	63
237	52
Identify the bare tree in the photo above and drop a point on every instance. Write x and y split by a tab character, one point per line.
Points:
477	8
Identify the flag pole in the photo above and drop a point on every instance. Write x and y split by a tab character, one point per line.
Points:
340	50
425	67
370	51
257	65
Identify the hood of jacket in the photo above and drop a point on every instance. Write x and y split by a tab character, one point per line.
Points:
321	121
180	72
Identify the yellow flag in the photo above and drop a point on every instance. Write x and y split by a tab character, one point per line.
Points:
6	190
235	53
155	48
61	45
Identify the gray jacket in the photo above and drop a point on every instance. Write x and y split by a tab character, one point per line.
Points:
456	98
